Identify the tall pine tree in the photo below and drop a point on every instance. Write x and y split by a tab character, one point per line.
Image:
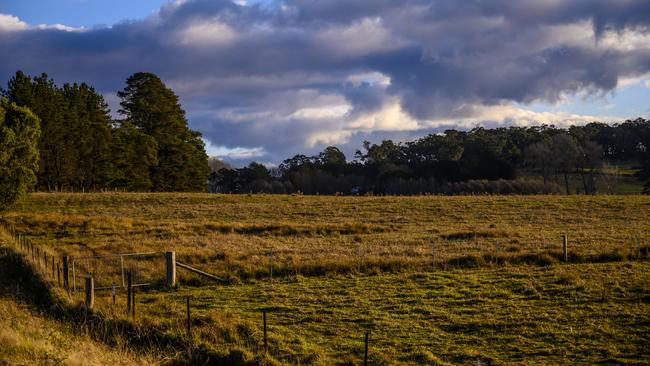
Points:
154	109
89	125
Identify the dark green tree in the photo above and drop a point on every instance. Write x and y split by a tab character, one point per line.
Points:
58	154
134	156
19	133
154	109
88	124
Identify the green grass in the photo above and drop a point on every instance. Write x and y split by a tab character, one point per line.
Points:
345	265
557	315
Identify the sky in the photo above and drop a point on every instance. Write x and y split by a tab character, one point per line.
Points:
264	80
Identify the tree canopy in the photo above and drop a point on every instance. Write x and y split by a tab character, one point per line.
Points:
19	134
154	109
83	148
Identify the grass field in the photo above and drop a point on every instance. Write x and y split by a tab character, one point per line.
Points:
346	265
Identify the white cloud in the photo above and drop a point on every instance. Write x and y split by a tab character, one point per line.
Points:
10	23
510	115
236	153
326	112
241	153
390	117
60	27
210	33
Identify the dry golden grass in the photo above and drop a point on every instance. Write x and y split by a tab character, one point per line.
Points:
343	265
27	338
232	236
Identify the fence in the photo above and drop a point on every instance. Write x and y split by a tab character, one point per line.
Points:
110	271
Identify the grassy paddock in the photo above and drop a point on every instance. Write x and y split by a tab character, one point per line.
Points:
344	265
232	236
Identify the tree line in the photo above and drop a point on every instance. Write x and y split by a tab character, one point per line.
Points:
64	138
458	162
82	148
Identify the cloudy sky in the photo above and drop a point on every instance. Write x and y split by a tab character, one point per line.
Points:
264	80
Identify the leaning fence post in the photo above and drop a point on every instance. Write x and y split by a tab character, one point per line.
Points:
565	249
170	260
66	278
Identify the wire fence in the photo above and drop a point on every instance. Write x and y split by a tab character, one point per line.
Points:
110	271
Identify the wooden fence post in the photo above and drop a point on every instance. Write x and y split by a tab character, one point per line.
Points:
90	293
133	302
170	260
66	277
565	249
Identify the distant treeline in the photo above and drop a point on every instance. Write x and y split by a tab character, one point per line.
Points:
152	149
457	162
82	148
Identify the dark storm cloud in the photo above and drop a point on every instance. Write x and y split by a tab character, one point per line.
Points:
266	75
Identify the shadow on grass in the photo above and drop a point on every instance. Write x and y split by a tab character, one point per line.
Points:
20	281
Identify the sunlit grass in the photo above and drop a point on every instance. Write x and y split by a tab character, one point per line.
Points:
346	265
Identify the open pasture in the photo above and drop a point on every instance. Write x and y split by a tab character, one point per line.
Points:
434	280
232	236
